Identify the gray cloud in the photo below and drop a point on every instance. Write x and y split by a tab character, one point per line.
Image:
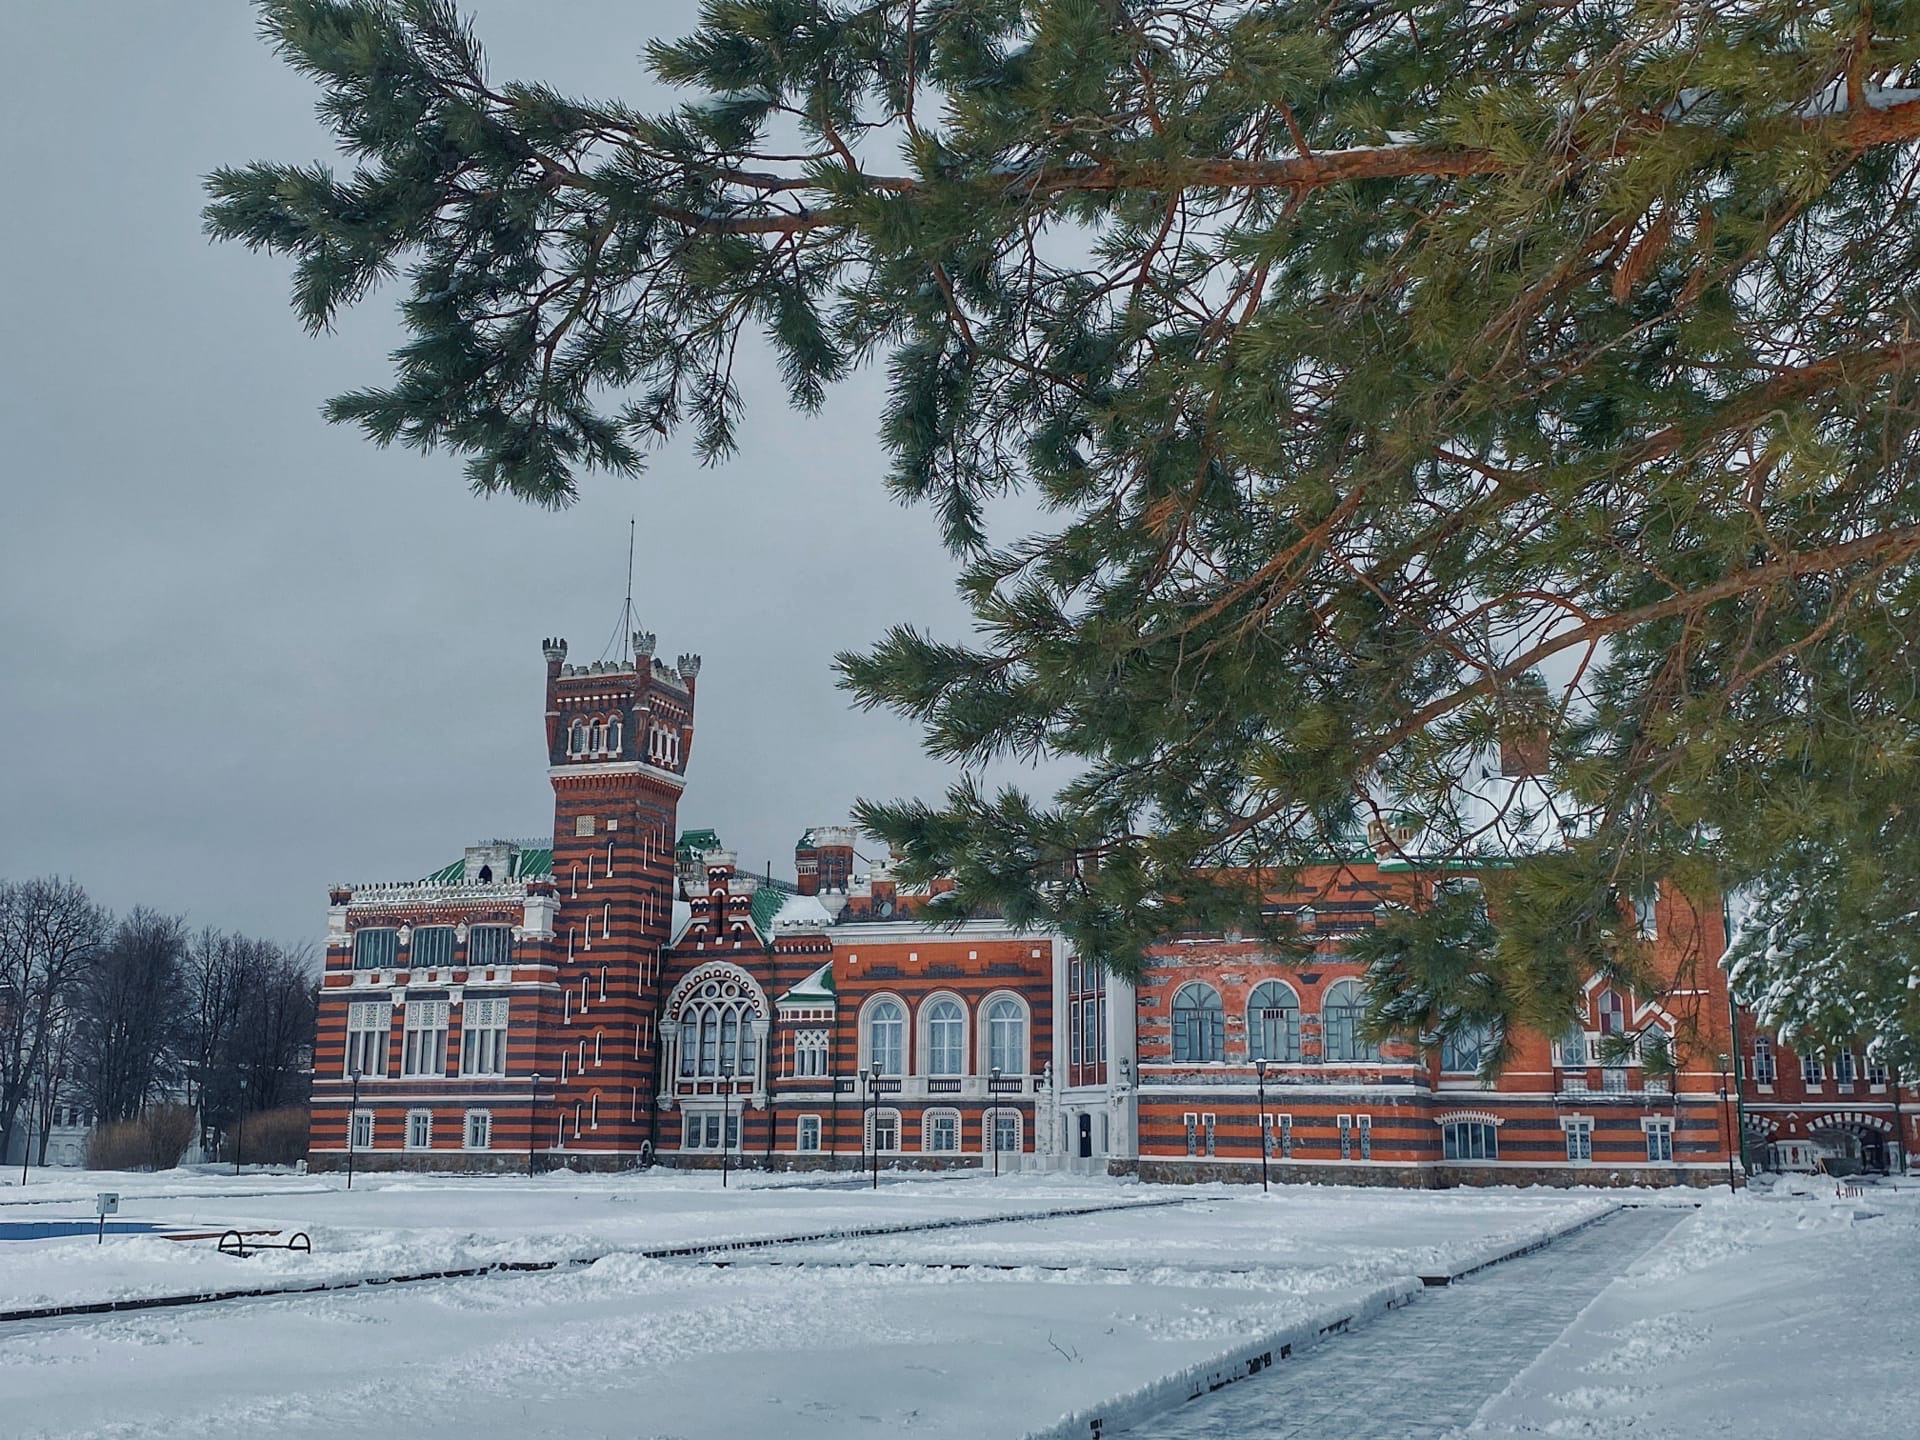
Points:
244	653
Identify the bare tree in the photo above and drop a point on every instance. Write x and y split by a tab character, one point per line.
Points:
129	1016
51	937
249	1025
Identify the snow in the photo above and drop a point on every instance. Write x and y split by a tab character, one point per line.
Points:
1773	1315
867	1335
1785	1311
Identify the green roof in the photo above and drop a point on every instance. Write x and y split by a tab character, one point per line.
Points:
766	904
695	842
525	865
819	983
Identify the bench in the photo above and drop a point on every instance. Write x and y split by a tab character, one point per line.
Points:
240	1246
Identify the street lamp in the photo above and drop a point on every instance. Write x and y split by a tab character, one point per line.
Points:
993	1115
1260	1083
533	1096
873	1089
240	1126
1726	1112
353	1122
726	1123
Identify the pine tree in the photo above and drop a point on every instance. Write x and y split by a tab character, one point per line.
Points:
1366	358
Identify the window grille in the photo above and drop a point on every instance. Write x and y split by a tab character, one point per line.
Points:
1199	1025
1273	1023
946	1038
431	947
490	945
425	1035
368	1023
1469	1140
483	1037
374	949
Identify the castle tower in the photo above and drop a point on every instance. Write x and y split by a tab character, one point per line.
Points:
823	860
618	738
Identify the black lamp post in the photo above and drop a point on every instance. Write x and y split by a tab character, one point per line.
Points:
353	1123
533	1096
873	1089
240	1126
993	1115
1260	1084
1726	1111
726	1123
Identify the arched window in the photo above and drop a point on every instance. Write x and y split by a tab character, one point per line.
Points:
1199	1025
577	738
599	737
946	1026
1273	1022
886	1036
716	1038
1612	1012
1341	1014
1006	1024
613	734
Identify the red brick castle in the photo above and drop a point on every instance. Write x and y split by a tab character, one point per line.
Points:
623	992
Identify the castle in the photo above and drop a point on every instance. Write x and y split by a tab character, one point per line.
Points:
620	993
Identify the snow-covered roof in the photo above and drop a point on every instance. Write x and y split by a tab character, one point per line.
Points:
816	989
801	912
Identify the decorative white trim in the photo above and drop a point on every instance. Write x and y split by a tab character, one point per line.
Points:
1479	1117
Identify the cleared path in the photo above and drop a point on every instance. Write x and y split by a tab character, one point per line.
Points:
1423	1372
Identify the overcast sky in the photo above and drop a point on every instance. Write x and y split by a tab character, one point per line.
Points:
244	654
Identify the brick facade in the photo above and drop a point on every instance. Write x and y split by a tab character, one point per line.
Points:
623	992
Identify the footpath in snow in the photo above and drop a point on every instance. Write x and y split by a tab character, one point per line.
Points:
1785	1313
865	1337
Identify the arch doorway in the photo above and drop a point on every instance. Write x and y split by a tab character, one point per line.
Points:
1851	1149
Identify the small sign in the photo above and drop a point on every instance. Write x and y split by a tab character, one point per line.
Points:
106	1203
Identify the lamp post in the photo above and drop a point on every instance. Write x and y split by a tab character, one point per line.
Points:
873	1089
1726	1112
726	1123
993	1115
833	1125
533	1096
1260	1084
353	1122
240	1126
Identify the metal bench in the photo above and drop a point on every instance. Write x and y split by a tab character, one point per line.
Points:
241	1246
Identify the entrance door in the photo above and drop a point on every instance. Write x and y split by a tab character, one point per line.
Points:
1086	1135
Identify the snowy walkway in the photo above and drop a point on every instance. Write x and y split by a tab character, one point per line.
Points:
1425	1371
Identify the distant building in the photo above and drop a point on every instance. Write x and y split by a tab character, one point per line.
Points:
624	991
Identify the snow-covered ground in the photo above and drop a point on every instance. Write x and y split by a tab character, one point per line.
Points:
833	1346
1782	1314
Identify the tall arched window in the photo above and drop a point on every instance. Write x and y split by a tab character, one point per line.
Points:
1341	1014
887	1036
1006	1023
613	734
946	1038
1199	1025
1273	1022
577	738
599	737
716	1036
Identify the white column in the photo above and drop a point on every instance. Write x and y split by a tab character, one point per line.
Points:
759	1028
669	1058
